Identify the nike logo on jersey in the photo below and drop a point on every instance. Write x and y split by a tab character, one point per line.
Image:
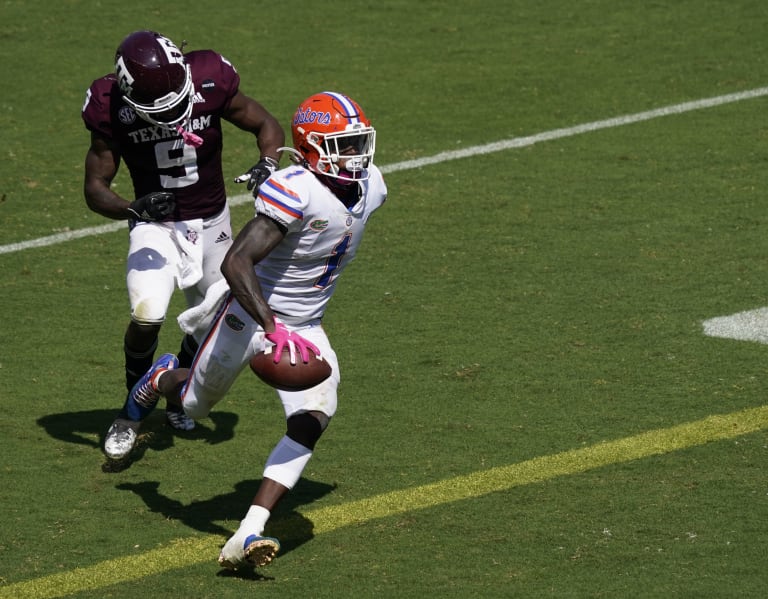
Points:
223	236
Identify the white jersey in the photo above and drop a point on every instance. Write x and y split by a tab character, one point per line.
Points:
298	277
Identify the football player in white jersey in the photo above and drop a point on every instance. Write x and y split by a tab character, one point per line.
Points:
281	271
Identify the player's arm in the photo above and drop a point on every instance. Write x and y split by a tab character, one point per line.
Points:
254	242
247	114
101	164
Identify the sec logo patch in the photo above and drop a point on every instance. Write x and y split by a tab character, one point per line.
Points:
126	115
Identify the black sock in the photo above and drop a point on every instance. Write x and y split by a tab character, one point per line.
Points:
187	351
137	363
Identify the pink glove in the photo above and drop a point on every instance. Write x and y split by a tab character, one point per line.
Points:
281	337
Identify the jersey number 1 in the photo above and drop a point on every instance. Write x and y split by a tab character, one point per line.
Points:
337	255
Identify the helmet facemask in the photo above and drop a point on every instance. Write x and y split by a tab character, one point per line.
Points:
333	138
169	111
344	155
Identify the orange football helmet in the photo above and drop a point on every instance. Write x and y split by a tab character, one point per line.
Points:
333	136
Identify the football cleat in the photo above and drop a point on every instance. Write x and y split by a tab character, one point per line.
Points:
259	551
142	399
179	420
254	550
121	437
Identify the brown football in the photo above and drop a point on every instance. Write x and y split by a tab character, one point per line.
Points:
287	376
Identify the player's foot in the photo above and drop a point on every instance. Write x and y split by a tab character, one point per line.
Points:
179	420
142	399
248	549
121	437
259	551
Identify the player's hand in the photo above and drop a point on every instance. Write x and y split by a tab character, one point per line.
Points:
153	206
281	337
258	173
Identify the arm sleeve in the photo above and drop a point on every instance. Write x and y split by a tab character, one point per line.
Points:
96	108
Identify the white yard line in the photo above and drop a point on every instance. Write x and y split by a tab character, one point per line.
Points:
498	146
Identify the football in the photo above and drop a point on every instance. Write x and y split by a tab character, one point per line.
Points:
290	377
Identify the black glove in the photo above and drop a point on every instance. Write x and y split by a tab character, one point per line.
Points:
258	173
153	206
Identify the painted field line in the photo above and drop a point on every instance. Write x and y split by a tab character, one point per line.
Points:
193	550
750	325
499	146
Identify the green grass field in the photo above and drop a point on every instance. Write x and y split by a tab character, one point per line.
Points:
529	407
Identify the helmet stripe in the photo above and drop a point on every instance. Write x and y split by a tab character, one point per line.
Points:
349	108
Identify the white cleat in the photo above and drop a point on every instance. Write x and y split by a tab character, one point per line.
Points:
248	550
120	440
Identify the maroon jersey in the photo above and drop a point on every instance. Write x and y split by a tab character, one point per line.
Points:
157	157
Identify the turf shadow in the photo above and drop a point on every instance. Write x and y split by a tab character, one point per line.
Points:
90	427
81	427
286	523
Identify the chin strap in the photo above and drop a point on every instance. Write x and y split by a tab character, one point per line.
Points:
190	138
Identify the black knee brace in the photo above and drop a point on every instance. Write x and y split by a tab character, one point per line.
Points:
306	428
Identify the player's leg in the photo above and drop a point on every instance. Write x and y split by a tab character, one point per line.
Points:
282	471
150	279
174	413
231	341
207	382
139	403
308	414
139	346
216	240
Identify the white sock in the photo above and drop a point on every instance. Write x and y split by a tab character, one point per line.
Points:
256	519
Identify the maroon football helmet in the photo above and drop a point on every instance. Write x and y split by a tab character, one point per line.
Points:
154	79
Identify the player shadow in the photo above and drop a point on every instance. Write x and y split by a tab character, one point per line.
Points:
90	427
286	524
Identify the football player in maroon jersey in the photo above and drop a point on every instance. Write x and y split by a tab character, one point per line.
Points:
160	113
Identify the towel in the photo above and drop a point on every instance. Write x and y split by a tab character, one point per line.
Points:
188	236
197	320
